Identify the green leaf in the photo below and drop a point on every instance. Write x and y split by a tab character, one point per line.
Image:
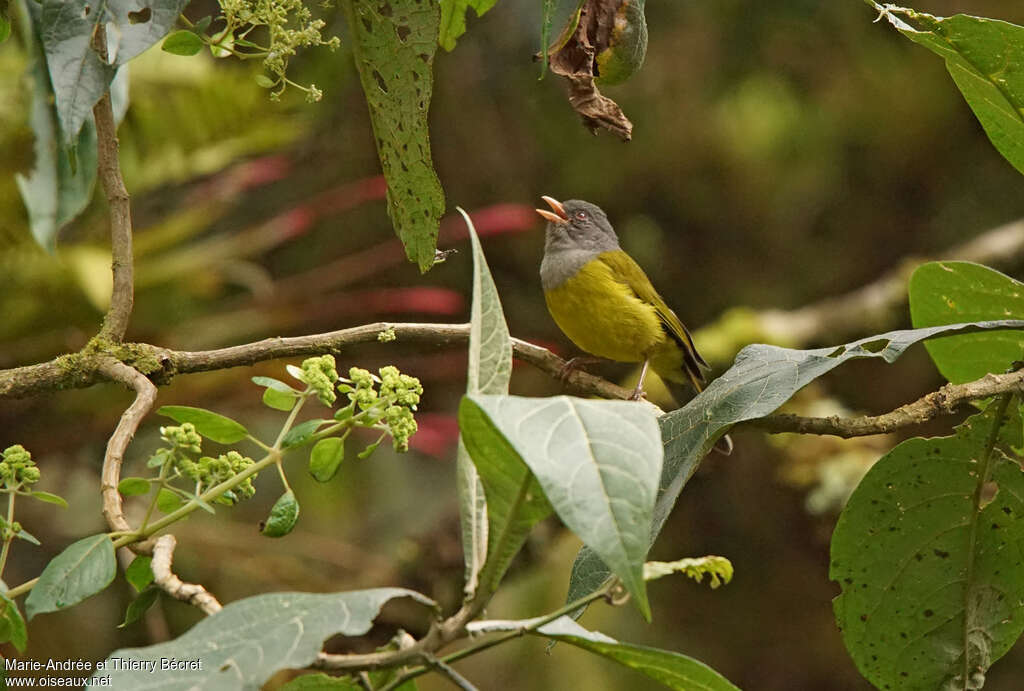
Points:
326	458
394	46
139	573
515	501
627	45
27	537
249	640
278	400
321	682
283	516
302	433
168	501
598	463
718	568
133	486
488	371
547	12
453	19
266	82
985	57
271	383
83	569
762	378
930	573
5	28
78	75
49	498
674	670
54	192
956	292
213	426
182	43
137	607
368	451
12	624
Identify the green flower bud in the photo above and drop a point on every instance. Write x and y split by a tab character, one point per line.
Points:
17	455
6	472
320	373
183	438
29	475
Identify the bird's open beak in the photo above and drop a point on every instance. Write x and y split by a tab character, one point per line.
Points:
559	216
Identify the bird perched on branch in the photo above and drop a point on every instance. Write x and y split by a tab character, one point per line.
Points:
604	302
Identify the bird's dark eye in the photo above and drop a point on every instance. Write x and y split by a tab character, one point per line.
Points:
582	215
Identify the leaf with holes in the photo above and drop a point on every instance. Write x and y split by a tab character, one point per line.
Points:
78	75
598	463
930	562
762	378
985	57
394	46
453	19
249	640
488	371
954	292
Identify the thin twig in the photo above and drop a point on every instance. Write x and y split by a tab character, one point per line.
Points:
145	397
115	324
163	577
945	401
449	673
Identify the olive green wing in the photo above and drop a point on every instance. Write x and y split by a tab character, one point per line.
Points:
629	272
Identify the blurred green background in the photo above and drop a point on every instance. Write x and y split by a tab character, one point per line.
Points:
783	152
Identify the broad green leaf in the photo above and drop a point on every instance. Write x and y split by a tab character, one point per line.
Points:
139	573
598	463
213	426
453	19
302	433
49	498
182	43
985	57
762	378
321	682
133	486
674	670
514	500
249	640
956	292
78	75
488	371
54	192
137	607
279	400
168	501
283	516
12	624
326	458
83	569
719	569
932	585
394	45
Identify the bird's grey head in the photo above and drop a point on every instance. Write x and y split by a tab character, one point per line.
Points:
577	231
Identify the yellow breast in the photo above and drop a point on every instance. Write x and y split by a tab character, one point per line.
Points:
603	317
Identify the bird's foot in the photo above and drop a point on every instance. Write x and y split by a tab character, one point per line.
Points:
574	364
638	394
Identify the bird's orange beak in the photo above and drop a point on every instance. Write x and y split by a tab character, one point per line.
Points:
559	217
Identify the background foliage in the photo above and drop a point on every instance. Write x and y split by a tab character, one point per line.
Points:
782	152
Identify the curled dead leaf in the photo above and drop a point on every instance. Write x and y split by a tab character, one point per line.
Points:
605	41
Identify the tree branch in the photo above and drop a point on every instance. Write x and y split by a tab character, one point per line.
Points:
192	593
945	401
162	364
115	323
145	397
